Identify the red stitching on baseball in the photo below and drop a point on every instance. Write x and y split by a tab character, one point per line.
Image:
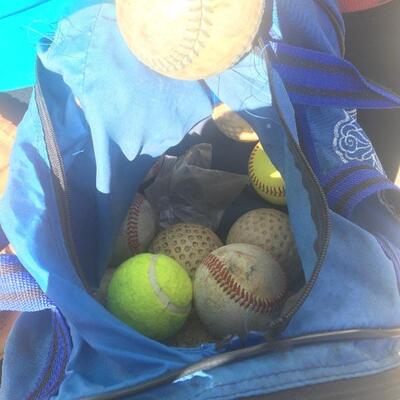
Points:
132	234
269	190
233	289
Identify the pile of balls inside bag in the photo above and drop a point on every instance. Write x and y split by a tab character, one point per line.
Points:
180	284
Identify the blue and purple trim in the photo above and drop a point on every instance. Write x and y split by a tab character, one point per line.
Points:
57	358
319	79
350	184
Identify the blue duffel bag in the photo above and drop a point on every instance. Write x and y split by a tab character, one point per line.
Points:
97	122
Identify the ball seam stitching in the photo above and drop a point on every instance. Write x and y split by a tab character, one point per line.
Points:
132	233
236	292
275	191
180	60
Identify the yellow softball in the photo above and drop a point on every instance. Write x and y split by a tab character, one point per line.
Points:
233	125
189	39
265	178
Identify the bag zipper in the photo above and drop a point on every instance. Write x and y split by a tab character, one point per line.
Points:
60	182
281	323
281	345
324	233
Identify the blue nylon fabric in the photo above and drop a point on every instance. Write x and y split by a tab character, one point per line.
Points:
120	163
337	138
305	24
40	243
384	223
283	370
364	265
35	357
393	253
357	285
106	354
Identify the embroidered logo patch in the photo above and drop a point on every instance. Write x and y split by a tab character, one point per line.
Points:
350	142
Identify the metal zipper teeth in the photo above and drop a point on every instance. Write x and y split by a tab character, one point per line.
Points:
283	320
280	323
61	187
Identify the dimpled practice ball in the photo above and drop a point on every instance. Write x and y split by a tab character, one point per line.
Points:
266	228
189	39
152	294
188	244
269	229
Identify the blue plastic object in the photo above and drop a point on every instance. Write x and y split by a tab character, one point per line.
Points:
22	24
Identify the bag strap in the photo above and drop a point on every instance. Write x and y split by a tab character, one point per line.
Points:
351	183
320	79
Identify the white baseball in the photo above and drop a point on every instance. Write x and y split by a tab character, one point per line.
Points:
187	244
238	288
233	125
138	230
189	39
270	230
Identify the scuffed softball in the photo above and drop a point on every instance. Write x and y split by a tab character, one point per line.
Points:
188	244
232	125
189	39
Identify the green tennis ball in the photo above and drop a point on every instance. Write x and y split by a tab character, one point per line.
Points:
151	293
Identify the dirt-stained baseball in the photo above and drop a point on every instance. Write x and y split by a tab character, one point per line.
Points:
189	39
138	230
270	230
233	125
238	288
188	244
